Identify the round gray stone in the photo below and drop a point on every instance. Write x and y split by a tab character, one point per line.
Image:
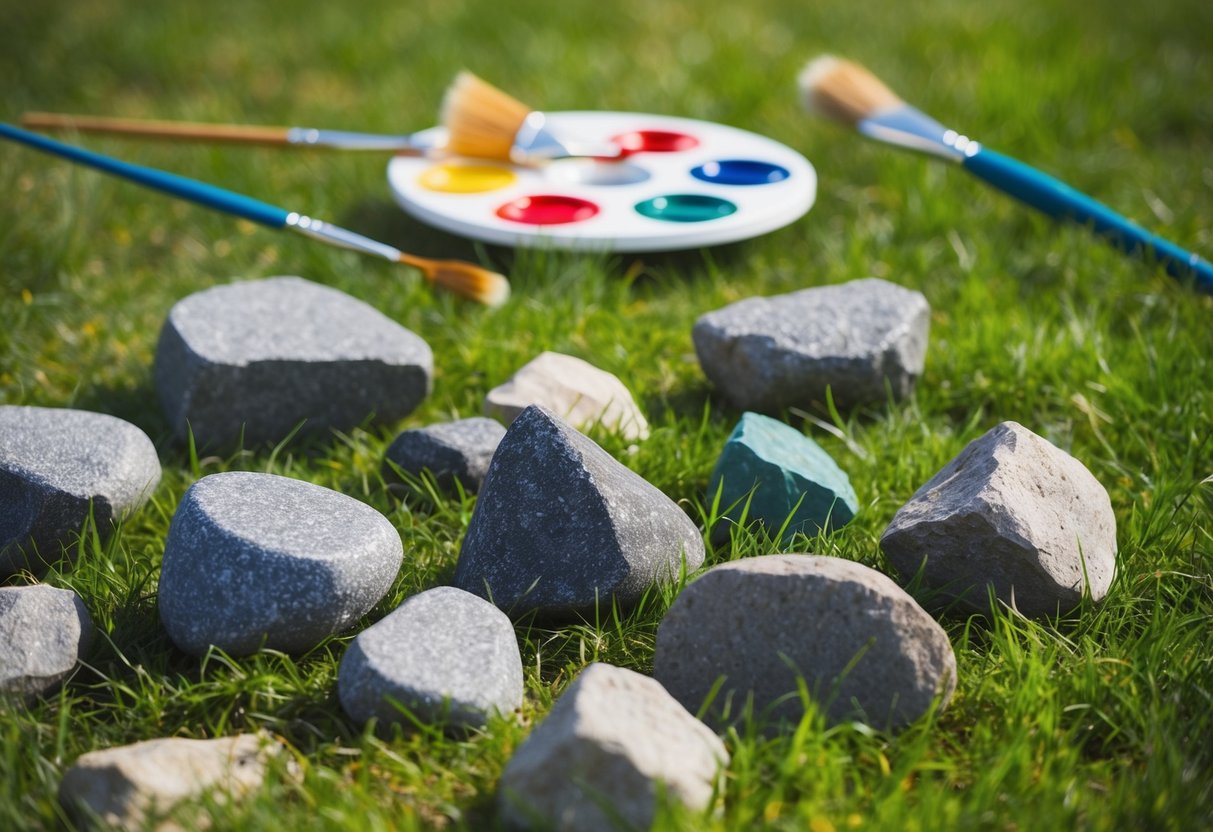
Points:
262	356
561	527
445	654
865	649
612	743
1014	512
769	354
459	450
43	633
55	464
255	559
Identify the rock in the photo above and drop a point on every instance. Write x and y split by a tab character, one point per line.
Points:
256	557
574	390
132	786
54	464
445	654
561	527
459	450
788	474
43	633
264	355
596	761
864	647
1012	512
769	354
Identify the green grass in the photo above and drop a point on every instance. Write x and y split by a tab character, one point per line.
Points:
1100	721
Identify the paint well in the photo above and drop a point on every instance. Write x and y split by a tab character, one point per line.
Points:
461	178
591	172
547	209
740	172
685	208
655	141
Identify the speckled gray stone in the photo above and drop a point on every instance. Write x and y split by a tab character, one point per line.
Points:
761	622
560	526
596	761
573	389
253	558
43	633
54	463
1013	512
445	654
772	353
265	355
459	450
133	786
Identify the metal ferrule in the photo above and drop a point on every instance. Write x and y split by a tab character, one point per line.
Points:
422	143
910	128
535	143
337	236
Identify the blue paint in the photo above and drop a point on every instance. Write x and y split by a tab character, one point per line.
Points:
740	172
782	474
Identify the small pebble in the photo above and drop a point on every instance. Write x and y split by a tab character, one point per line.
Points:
574	390
256	560
459	450
864	647
560	527
863	340
445	654
257	358
611	744
55	464
1014	512
43	633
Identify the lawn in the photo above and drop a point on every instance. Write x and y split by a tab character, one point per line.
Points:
1102	720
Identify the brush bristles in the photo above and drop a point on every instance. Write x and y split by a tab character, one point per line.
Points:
844	90
481	120
464	279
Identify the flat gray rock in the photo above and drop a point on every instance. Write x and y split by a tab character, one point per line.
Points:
864	647
612	741
459	450
573	389
769	354
256	558
262	356
1013	512
43	633
54	464
134	786
561	527
447	655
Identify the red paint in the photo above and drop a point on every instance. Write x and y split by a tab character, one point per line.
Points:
547	209
654	141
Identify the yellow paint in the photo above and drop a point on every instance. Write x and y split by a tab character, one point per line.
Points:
458	178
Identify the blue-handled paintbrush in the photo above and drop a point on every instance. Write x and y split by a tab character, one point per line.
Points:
465	279
847	92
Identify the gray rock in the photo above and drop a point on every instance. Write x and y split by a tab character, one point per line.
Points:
54	464
574	390
132	786
459	450
1013	512
256	557
43	633
445	654
561	527
864	648
772	353
596	761
262	356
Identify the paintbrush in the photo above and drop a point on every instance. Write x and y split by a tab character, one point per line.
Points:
478	120
847	92
462	278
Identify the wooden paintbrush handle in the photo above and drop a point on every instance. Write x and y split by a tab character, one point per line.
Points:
157	129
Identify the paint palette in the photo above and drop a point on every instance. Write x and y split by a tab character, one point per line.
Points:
681	183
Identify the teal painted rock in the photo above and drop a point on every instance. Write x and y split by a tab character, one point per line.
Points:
786	466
